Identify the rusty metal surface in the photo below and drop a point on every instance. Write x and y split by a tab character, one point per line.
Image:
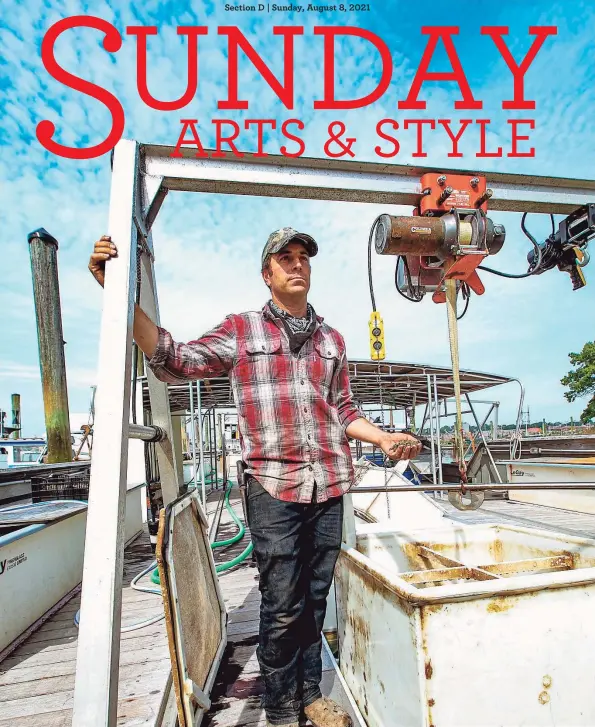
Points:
43	249
411	236
494	628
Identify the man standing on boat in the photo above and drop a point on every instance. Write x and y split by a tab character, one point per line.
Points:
289	376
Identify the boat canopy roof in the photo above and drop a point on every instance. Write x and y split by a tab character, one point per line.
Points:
399	385
31	442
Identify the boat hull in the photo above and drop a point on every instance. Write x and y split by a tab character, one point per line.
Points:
554	470
42	563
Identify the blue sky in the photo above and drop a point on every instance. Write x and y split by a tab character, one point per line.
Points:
208	247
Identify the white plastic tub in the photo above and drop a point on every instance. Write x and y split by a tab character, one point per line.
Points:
468	627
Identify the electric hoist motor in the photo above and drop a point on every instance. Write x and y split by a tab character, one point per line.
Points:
448	236
435	248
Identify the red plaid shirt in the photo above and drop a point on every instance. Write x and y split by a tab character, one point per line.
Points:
293	408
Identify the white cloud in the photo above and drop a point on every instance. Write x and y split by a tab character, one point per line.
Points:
208	246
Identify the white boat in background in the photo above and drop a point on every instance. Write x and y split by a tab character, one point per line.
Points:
22	452
41	559
42	539
553	469
400	510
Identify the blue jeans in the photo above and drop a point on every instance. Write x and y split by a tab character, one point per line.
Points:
296	547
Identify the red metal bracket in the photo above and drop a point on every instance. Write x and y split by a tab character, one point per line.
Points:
442	192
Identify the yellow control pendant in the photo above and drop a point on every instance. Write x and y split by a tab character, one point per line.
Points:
376	337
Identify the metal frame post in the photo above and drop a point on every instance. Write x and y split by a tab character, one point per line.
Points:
213	445
193	432
98	650
149	191
431	417
437	409
350	181
202	454
423	422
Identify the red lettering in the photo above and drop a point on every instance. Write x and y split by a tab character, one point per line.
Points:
482	152
518	72
516	138
112	44
292	137
455	139
329	101
419	123
141	66
382	135
238	40
457	74
189	125
229	140
260	127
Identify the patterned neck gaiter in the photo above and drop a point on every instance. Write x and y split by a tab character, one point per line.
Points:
298	329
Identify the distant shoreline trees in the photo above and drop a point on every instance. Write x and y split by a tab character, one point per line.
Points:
580	380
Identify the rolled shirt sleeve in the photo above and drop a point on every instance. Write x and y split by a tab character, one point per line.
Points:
347	409
212	354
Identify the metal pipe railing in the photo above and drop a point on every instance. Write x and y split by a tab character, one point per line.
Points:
150	433
479	487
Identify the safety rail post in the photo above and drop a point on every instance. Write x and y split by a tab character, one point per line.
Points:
201	447
193	434
431	418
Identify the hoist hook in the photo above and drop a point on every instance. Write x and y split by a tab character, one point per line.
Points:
466	500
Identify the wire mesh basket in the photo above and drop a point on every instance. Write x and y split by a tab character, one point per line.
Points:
60	486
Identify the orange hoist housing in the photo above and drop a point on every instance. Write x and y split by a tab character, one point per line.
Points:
448	236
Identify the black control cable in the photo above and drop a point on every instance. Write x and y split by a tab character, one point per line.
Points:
415	296
466	293
534	269
370	238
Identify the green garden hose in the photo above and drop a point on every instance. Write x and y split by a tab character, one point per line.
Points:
221	567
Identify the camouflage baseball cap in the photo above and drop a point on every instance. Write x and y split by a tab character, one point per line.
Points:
278	239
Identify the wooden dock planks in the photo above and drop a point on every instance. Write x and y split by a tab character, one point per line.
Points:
236	695
36	681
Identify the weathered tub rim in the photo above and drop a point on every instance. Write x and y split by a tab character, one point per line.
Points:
510	586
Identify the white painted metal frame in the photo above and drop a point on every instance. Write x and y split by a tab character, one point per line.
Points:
98	652
141	178
350	181
133	198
